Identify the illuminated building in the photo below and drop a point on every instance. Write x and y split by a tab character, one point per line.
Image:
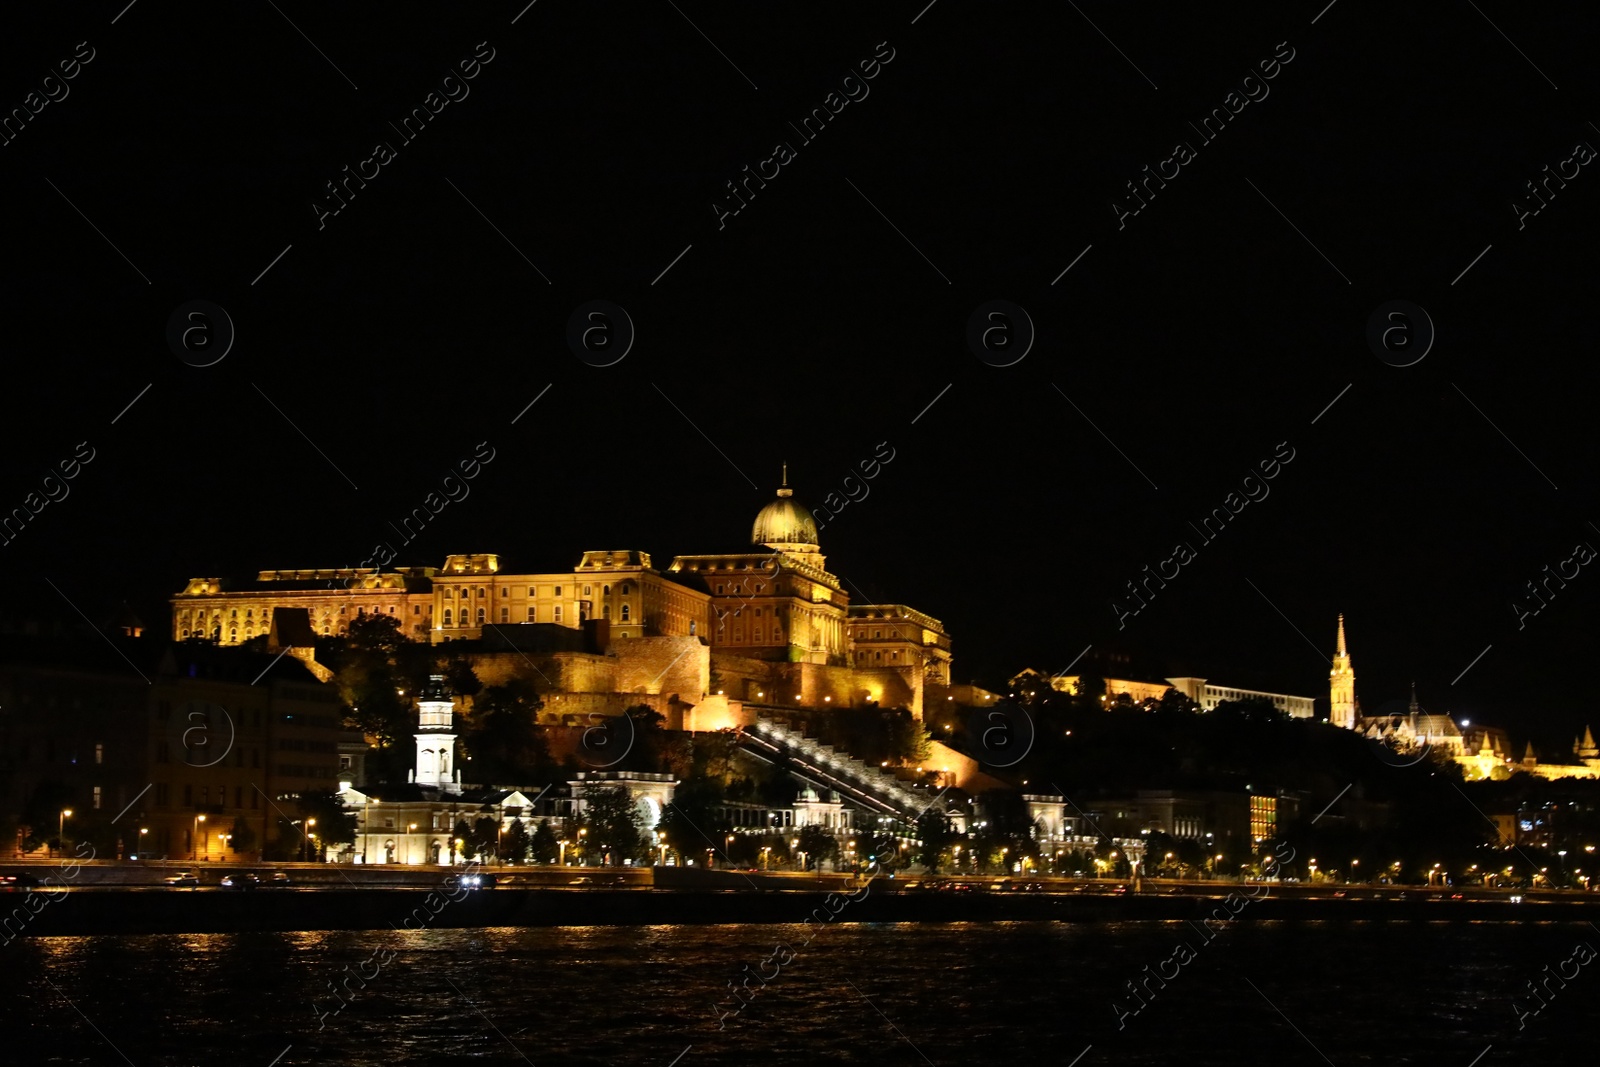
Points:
1482	752
1205	695
768	622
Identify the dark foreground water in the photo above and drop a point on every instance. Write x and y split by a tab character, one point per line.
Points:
1260	992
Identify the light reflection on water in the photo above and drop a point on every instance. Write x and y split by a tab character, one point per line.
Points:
891	993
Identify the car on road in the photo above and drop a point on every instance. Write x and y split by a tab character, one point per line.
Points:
182	878
480	880
279	880
20	880
240	881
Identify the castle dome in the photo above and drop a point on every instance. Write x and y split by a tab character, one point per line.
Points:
785	521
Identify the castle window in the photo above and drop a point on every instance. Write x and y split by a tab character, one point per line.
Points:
624	588
719	588
625	610
446	620
505	590
233	635
480	592
533	614
480	616
605	590
558	613
558	590
589	590
186	633
605	611
755	635
235	613
249	613
447	593
505	614
691	627
416	609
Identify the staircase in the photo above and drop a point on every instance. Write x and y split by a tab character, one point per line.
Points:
824	767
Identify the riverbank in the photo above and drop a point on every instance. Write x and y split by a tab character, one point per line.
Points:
175	911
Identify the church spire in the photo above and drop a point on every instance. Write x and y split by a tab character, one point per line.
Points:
1342	706
1414	709
785	476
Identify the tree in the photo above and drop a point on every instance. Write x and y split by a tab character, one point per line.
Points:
612	819
502	738
937	835
544	846
485	836
459	838
365	670
514	842
242	838
818	845
649	740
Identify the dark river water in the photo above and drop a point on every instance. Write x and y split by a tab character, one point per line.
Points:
1259	992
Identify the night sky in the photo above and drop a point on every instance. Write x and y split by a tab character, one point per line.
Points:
826	316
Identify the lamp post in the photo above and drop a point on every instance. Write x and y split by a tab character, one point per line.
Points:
61	830
562	859
309	838
194	837
582	833
411	828
142	831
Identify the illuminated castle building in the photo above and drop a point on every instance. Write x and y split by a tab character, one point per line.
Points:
765	624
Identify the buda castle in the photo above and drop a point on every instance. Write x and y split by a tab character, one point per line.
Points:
767	624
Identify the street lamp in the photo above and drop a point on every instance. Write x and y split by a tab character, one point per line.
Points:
194	838
411	828
142	831
561	860
305	846
582	833
61	830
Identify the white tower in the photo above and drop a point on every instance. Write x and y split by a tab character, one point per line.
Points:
436	738
1342	686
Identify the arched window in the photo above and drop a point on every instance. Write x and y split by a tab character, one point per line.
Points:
626	608
605	611
480	616
447	592
624	588
691	630
233	634
446	620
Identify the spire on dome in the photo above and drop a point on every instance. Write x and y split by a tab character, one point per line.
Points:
1414	709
